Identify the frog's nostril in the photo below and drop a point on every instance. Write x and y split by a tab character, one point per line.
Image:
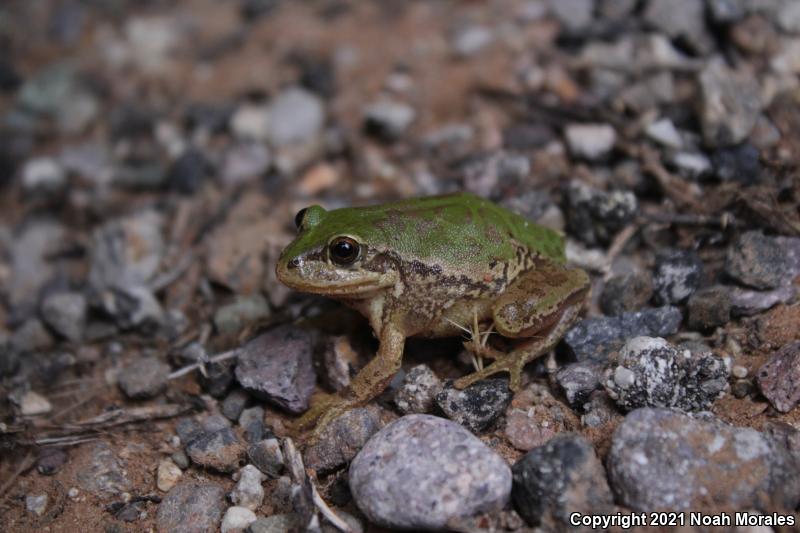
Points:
294	263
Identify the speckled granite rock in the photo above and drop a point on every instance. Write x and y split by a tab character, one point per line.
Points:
662	459
421	471
562	477
191	508
650	372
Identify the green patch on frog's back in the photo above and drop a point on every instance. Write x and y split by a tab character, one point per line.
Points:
457	228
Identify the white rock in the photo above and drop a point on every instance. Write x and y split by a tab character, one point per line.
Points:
32	404
249	122
295	116
43	175
248	491
664	132
237	519
471	40
591	141
690	164
168	475
36	503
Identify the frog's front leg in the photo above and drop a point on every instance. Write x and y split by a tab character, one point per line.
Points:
542	305
368	383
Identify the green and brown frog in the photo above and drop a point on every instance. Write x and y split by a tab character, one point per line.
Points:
430	267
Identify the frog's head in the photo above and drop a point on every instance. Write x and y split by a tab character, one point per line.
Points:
334	254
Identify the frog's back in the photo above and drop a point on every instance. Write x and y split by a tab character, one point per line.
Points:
456	228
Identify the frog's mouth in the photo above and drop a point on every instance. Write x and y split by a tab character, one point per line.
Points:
318	277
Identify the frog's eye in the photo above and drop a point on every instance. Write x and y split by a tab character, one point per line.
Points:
344	250
298	218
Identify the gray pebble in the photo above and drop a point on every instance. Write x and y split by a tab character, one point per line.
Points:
144	379
417	392
664	459
295	116
342	439
678	273
101	472
730	102
278	523
234	403
267	456
243	311
595	216
597	338
252	421
478	405
652	373
218	449
191	508
590	141
421	471
626	292
388	120
709	307
277	366
557	479
778	378
578	381
763	262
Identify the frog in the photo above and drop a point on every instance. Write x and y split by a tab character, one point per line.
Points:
430	267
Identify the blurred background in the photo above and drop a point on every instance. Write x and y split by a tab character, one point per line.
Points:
153	155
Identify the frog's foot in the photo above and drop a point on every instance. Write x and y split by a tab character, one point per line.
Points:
324	409
511	363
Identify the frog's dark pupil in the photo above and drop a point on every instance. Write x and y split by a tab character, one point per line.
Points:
344	250
298	218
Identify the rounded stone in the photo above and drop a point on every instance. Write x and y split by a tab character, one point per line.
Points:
421	471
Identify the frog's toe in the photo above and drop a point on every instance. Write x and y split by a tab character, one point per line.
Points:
481	350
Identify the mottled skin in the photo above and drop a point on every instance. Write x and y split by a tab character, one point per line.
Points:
426	266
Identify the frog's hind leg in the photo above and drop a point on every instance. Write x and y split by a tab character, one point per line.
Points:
542	305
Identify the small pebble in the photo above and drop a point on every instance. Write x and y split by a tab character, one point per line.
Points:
278	367
217	449
763	262
252	421
709	307
36	504
677	275
43	175
477	406
739	371
234	404
168	475
143	379
248	491
277	523
191	507
418	391
598	337
342	439
388	120
590	141
34	404
267	456
778	378
50	461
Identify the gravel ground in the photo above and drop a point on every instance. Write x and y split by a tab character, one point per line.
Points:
153	156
